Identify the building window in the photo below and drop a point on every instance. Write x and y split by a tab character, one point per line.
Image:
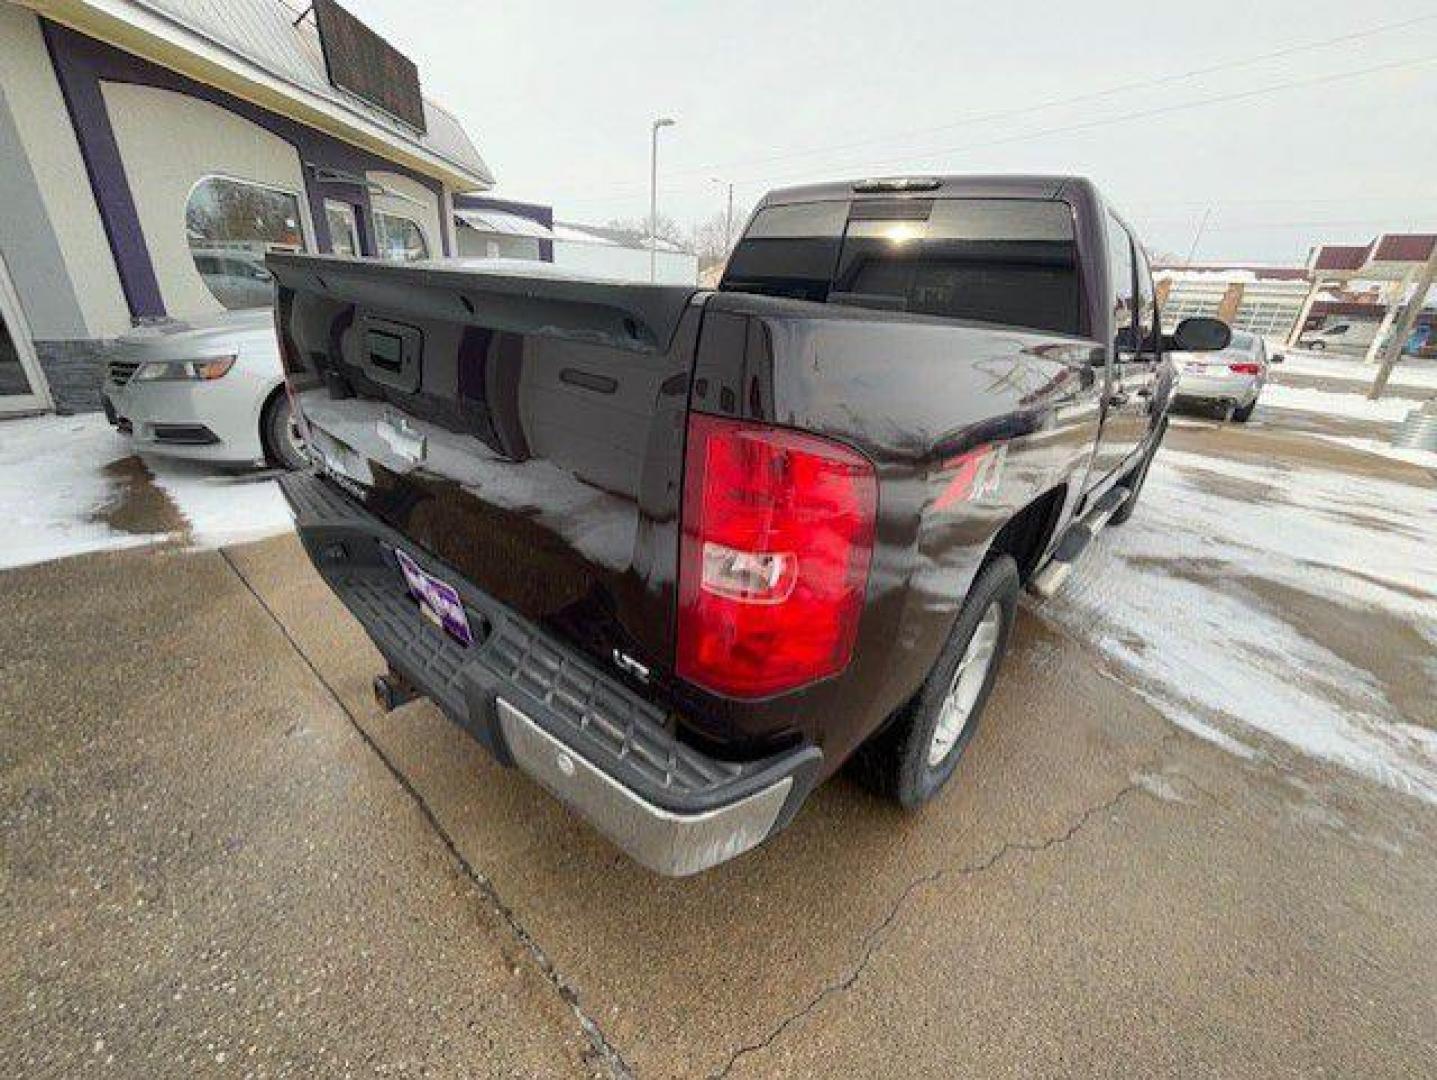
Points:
230	225
1187	299
343	228
399	238
1269	318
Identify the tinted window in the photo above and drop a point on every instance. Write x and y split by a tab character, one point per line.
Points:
1147	305
1120	269
789	251
1007	261
1002	261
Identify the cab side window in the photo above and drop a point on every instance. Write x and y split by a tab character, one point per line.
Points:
1147	307
1120	270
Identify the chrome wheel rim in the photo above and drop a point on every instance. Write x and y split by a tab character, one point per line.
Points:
957	710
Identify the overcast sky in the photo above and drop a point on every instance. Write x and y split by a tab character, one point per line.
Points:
1310	145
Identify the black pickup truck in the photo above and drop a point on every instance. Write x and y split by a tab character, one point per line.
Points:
680	554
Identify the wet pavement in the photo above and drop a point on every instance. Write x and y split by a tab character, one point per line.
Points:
220	857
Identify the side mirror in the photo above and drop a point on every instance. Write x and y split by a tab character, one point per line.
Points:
1201	334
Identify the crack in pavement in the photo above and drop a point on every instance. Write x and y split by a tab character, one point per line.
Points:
873	938
600	1044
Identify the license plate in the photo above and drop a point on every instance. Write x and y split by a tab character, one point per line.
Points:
1194	369
437	599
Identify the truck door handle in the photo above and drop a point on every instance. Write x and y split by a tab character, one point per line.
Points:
1145	392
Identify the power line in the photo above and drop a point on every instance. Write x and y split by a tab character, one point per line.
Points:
1095	95
1162	110
1043	106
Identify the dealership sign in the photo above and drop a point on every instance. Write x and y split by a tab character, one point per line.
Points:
361	62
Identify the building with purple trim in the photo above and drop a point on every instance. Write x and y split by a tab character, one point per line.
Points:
152	150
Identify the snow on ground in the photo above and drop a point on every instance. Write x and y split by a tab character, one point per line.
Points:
1354	406
222	508
1410	371
59	483
52	486
1199	596
1427	459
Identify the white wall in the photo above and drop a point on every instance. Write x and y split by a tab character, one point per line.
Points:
90	303
628	264
479	245
412	200
168	143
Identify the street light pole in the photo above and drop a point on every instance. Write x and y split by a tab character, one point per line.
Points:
662	122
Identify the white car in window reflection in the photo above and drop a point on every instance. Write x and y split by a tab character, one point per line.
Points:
238	279
209	389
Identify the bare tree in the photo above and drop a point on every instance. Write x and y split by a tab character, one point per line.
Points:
712	239
636	231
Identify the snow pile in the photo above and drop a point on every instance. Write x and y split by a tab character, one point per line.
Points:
1221	591
61	479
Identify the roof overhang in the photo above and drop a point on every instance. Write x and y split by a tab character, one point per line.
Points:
1390	257
156	36
502	223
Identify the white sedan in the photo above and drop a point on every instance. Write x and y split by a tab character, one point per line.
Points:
1230	380
210	390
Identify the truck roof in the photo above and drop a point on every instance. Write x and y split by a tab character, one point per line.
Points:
999	186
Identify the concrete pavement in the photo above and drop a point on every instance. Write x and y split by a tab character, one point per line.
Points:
207	871
220	857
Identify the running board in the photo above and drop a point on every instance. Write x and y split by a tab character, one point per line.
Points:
1075	541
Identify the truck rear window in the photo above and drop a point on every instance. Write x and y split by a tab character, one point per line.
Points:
1010	261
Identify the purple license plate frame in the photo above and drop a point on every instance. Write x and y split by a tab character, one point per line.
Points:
438	600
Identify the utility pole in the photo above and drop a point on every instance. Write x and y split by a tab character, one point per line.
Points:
1402	328
1202	226
662	122
727	218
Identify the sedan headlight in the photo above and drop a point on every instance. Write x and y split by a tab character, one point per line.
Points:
184	370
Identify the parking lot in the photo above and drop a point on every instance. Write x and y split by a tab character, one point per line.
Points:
1195	834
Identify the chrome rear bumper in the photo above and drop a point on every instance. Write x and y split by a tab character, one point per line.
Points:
666	842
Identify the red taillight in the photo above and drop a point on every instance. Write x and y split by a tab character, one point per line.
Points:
1244	369
773	563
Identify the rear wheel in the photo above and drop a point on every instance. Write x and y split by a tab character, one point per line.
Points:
278	431
912	759
1244	414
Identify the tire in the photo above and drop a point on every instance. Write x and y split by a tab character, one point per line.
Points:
909	761
1243	415
1136	479
283	444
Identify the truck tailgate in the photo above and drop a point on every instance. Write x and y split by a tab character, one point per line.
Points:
526	431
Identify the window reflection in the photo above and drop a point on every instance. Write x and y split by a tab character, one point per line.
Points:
230	224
